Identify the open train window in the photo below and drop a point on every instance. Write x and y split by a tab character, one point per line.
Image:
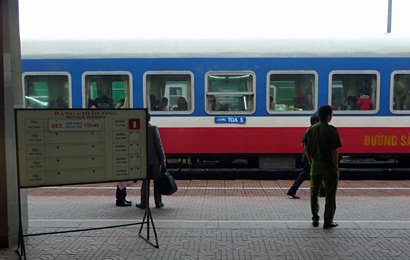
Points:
400	92
107	90
230	92
291	91
169	92
47	90
354	91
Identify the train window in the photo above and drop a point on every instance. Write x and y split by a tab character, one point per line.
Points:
107	90
230	92
400	92
50	90
169	92
354	91
291	91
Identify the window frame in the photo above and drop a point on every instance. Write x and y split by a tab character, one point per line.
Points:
232	72
48	73
355	72
168	72
391	99
293	72
106	73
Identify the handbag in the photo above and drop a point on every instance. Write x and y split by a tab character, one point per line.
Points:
166	183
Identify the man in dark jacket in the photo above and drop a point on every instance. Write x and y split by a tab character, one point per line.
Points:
156	160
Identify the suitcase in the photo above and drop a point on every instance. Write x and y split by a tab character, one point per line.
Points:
166	183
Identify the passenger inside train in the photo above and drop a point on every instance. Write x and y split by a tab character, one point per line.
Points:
406	102
154	104
364	101
163	106
351	103
182	104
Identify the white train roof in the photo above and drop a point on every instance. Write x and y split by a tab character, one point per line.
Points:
382	46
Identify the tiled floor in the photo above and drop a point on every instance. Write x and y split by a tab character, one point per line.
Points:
243	219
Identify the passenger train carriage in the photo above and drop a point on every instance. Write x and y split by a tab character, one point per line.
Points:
235	99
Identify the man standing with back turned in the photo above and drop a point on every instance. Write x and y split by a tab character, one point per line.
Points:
321	144
156	159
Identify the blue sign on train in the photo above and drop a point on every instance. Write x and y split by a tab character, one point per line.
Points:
230	120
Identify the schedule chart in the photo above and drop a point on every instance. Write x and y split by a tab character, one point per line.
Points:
59	147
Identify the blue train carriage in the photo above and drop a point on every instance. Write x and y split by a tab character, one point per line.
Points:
235	99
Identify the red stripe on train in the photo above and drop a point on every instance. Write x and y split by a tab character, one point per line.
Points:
278	140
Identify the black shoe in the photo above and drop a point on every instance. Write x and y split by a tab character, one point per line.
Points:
127	201
141	206
315	223
122	203
330	225
293	195
160	205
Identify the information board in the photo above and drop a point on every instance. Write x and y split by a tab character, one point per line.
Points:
74	146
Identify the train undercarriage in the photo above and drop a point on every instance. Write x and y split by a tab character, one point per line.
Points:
280	161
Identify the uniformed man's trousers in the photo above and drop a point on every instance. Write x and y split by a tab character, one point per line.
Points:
330	180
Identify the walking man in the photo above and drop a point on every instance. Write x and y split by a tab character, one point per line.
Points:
305	173
321	147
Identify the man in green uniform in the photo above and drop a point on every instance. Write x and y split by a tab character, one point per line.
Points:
321	147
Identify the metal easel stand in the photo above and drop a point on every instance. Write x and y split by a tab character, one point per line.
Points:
147	219
21	247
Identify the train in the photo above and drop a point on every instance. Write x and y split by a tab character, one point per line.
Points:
233	100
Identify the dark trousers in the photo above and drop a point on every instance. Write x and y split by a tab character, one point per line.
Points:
303	175
331	180
153	173
120	194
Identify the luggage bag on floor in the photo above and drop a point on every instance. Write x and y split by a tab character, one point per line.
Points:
166	183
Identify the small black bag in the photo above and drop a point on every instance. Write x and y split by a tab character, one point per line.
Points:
166	183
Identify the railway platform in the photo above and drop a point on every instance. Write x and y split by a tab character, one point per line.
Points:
221	219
